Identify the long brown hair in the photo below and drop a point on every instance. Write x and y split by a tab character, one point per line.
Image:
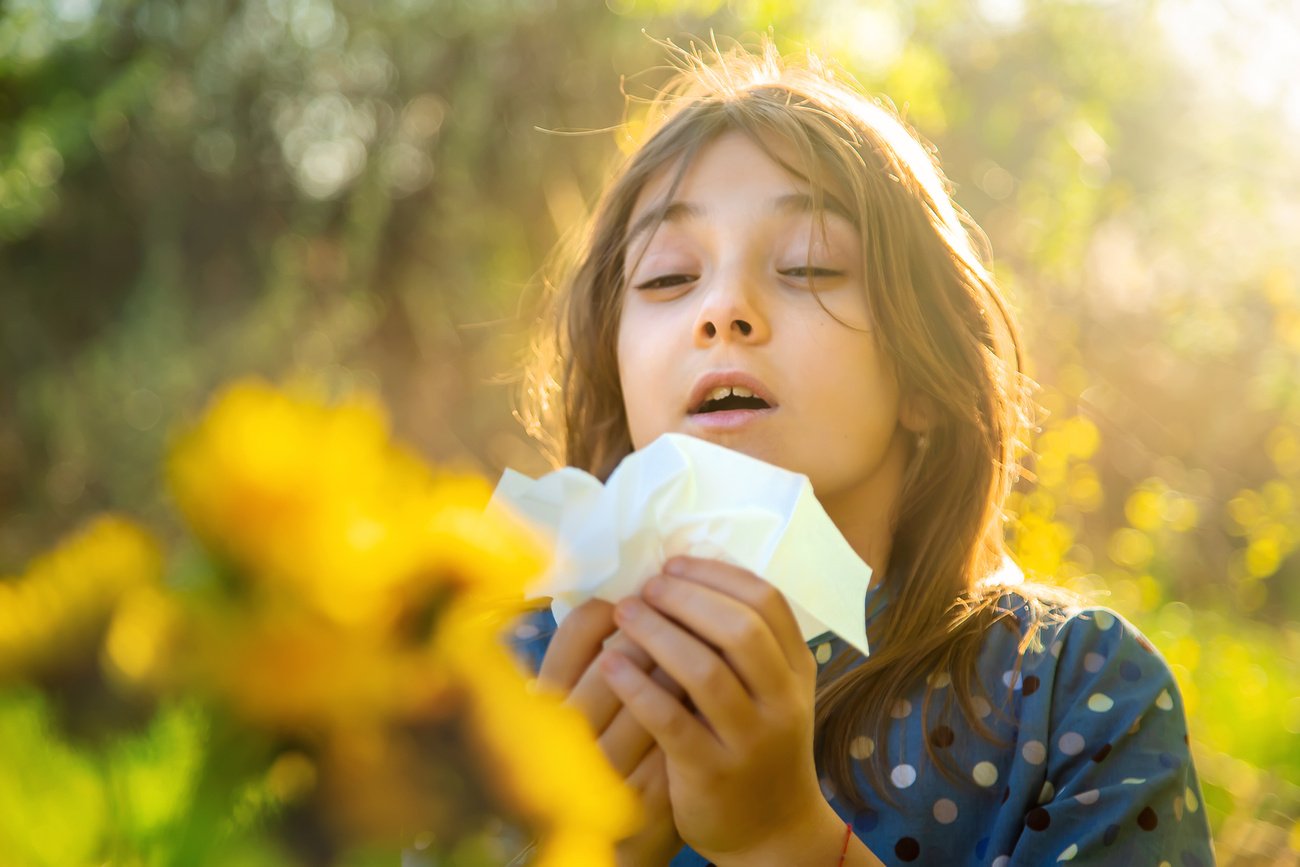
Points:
941	321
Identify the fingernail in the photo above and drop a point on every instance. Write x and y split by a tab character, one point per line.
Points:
675	566
628	609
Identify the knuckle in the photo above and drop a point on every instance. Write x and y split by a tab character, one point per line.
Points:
769	597
746	631
808	659
706	670
673	722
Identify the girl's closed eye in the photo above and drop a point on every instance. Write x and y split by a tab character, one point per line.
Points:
807	271
665	281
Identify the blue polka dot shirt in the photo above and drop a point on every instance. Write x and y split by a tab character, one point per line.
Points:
1098	770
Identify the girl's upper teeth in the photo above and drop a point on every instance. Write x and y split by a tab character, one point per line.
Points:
723	390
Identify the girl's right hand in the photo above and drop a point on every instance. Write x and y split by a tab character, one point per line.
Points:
569	668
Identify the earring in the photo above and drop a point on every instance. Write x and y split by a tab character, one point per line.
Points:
918	458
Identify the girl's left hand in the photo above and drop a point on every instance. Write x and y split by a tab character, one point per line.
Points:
741	774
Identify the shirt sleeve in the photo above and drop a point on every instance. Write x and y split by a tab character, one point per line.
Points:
529	638
1121	786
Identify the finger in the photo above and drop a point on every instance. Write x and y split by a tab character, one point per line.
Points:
650	782
745	586
740	632
650	779
625	741
677	732
710	682
575	644
592	696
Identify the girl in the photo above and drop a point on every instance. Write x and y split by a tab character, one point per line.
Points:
780	269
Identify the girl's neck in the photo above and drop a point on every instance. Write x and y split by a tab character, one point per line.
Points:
866	513
865	526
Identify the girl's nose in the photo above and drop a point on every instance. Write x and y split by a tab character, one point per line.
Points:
731	312
741	325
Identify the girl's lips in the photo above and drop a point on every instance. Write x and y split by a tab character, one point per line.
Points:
729	419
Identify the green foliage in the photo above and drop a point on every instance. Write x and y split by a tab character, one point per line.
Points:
128	798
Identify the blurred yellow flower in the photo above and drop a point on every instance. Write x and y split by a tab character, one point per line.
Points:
286	671
544	758
370	601
142	636
315	503
61	606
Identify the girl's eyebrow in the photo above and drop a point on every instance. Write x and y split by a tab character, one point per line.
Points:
678	212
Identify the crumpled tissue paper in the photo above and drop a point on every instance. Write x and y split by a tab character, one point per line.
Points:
684	495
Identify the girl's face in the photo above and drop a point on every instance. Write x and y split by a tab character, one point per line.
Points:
718	294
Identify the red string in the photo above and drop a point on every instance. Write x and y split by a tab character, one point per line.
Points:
848	830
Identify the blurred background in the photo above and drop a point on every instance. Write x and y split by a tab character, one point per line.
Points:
367	192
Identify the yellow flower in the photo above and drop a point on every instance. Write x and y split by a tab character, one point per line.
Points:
142	637
299	494
315	502
60	607
542	756
292	671
377	592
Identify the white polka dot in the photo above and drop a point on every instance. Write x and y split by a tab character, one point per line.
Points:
1178	808
1034	752
1056	648
1105	620
1164	864
1137	724
1192	803
823	653
1164	701
901	709
1047	792
828	788
1069	853
862	747
981	706
945	811
985	773
903	776
1099	702
1007	677
1000	861
939	679
1071	743
1133	781
1093	662
1088	797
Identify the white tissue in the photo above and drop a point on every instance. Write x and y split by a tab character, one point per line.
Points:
683	495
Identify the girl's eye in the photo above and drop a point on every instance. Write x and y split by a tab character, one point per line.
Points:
665	282
803	271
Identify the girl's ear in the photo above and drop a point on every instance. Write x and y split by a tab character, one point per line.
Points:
917	412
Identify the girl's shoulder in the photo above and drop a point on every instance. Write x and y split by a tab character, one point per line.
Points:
1099	737
1042	620
1084	677
1087	659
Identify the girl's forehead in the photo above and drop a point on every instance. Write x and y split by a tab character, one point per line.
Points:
734	165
